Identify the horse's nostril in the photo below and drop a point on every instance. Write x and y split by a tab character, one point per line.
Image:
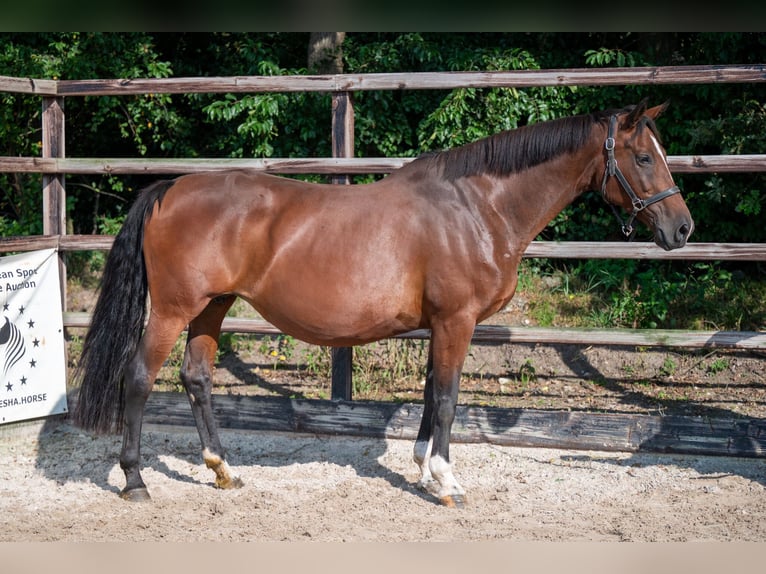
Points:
683	231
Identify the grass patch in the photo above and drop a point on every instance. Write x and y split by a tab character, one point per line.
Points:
643	294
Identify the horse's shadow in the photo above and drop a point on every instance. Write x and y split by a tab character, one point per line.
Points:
95	459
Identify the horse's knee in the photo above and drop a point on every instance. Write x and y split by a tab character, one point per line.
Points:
445	406
196	381
187	375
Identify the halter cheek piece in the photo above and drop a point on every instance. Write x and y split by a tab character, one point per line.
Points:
612	169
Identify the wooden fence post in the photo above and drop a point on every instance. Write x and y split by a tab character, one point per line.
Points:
342	146
54	188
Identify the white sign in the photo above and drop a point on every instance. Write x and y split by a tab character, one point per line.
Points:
32	358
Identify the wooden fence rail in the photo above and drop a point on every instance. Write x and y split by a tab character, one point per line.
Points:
320	166
54	165
652	75
539	249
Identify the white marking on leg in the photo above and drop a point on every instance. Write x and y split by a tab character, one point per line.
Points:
421	456
422	451
442	472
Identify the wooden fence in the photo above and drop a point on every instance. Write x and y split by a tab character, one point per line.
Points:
54	165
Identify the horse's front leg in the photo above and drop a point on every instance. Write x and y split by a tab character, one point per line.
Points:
449	345
197	378
422	451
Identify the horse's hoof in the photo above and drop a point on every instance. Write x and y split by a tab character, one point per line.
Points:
230	484
454	500
136	495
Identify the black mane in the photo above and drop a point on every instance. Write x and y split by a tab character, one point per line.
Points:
519	149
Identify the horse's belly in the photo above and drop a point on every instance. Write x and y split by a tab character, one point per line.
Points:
322	322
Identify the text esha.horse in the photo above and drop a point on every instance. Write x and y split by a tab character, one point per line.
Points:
435	245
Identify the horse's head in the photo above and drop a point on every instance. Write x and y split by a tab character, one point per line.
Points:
637	177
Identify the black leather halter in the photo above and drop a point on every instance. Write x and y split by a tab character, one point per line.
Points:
612	169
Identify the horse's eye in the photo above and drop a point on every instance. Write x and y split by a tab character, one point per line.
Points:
643	159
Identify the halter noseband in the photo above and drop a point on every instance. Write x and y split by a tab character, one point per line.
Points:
612	169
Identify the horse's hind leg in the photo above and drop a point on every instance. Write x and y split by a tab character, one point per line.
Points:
154	347
197	378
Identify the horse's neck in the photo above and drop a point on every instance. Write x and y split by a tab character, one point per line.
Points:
534	197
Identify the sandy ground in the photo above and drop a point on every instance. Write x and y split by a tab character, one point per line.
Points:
58	483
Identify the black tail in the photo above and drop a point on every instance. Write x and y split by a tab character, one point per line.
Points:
117	321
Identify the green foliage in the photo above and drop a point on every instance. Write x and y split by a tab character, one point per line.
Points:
257	117
718	365
610	56
527	372
742	130
651	294
668	367
418	121
86	266
468	114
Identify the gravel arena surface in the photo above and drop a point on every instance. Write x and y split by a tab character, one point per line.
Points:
58	483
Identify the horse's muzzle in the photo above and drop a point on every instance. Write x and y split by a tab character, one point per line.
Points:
674	236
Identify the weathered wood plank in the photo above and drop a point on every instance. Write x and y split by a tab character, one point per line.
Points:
748	163
28	86
511	427
717	163
545	249
342	358
624	337
62	242
645	250
196	165
554	77
499	334
192	85
54	184
653	75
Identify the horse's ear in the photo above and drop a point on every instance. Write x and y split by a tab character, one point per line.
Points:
656	111
634	115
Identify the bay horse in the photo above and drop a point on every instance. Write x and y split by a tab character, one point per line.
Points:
434	245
